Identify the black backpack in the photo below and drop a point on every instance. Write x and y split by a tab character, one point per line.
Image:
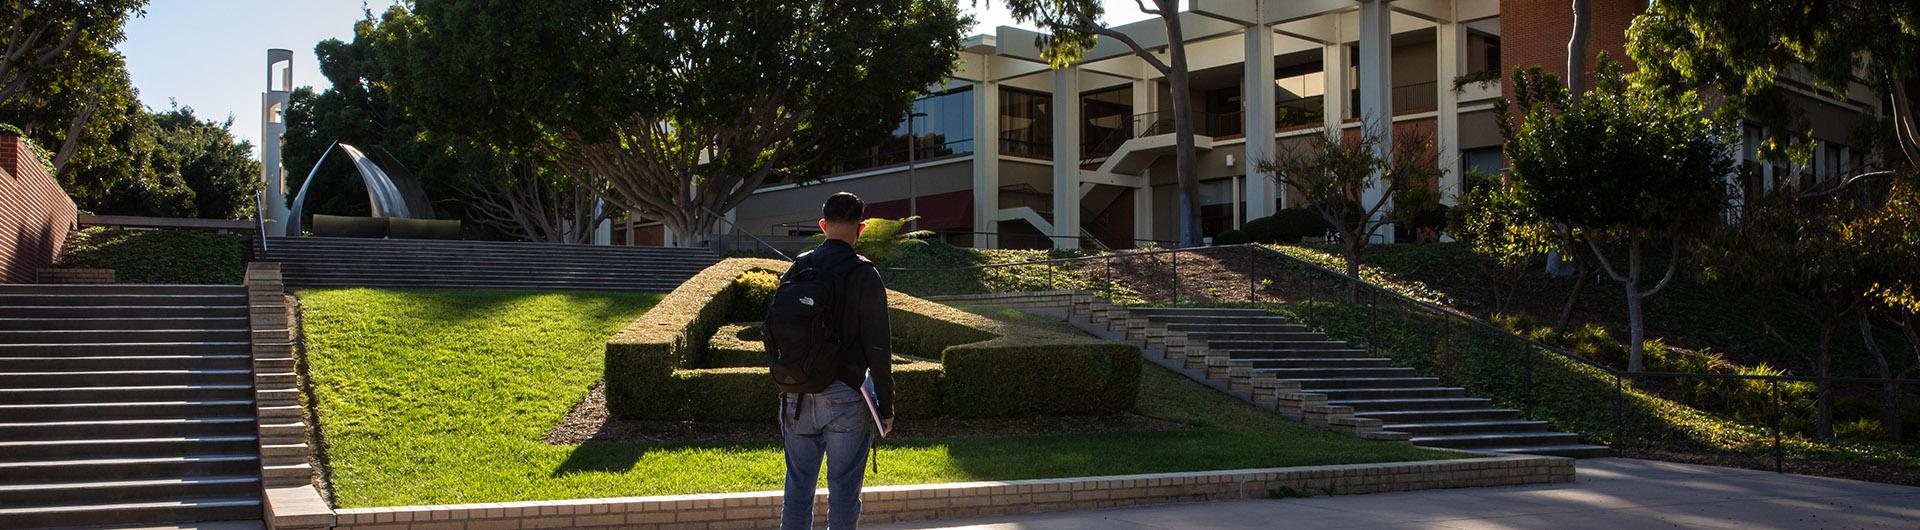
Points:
803	337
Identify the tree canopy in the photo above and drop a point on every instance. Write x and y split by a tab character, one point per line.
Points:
684	107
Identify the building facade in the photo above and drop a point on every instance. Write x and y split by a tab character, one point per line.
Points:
1013	153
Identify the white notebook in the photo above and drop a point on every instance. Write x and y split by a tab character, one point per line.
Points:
873	407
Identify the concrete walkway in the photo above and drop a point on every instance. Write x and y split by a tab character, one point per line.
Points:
1607	493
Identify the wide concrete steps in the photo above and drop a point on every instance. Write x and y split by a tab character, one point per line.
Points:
1372	388
350	262
126	405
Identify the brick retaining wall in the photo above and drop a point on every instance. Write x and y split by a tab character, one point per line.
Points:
884	504
35	214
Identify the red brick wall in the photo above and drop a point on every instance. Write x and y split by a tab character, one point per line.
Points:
35	214
1535	32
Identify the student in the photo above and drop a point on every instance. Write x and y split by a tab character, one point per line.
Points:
833	421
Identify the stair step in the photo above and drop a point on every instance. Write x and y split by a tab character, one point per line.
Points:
103	349
1313	373
1197	311
127	447
1222	320
1412	403
125	410
1466	426
1435	415
120	299
1321	362
90	491
1566	450
1237	328
1344	394
89	336
128	468
1263	337
122	311
1279	345
1496	439
124	378
120	288
125	393
152	427
151	511
144	323
125	362
1279	353
1312	384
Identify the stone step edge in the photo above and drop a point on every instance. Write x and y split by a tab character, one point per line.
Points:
890	504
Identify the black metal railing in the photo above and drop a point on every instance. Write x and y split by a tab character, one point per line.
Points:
1741	419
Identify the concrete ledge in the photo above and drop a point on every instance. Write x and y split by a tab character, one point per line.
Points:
296	507
886	504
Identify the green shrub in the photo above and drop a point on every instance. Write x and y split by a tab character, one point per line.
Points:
1003	368
1231	237
755	291
1593	342
1289	225
160	256
736	345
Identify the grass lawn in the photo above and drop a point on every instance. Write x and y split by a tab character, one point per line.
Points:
440	396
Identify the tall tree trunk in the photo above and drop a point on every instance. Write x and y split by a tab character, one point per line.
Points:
1185	165
1581	273
1353	271
1823	367
1577	50
1636	322
1889	392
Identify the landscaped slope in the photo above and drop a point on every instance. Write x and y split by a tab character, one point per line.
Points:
431	397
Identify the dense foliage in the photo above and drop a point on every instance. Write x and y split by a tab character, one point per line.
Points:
160	256
685	107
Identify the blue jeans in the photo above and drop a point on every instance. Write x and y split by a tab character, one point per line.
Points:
833	423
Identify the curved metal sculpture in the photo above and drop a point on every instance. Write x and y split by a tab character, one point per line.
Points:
384	196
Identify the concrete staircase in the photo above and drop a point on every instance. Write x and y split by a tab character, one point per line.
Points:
1316	378
126	405
353	262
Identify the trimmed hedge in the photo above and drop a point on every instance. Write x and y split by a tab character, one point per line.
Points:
159	256
736	345
988	367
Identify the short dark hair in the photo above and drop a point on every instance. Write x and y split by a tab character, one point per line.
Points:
844	207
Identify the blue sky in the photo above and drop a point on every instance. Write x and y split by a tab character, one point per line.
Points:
211	54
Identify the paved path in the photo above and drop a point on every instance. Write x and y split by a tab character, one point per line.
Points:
1607	494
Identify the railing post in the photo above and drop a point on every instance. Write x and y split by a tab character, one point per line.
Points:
1176	275
1619	420
1311	287
1251	297
1778	455
1373	321
1526	375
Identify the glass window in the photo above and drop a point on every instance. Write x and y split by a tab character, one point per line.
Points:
1107	121
946	129
1026	123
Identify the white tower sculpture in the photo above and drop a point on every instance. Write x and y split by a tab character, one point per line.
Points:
273	127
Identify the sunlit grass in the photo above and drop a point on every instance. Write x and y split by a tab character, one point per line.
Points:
441	396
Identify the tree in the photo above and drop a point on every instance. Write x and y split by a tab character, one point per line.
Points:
1627	167
221	173
685	107
1742	48
1885	241
1331	172
1491	218
1075	26
1537	90
358	110
58	68
535	201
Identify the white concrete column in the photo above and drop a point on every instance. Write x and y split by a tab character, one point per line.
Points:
986	162
1334	60
1450	59
1376	93
1066	157
1256	94
603	232
1143	209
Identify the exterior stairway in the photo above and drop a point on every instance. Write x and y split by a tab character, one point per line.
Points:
1313	370
126	405
353	262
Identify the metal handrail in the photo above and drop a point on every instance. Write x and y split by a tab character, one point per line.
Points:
260	219
736	228
1448	311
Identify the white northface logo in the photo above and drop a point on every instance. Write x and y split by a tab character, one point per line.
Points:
806	300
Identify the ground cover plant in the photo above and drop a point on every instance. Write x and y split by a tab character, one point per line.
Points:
441	396
159	256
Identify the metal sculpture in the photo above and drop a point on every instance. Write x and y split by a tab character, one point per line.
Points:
382	193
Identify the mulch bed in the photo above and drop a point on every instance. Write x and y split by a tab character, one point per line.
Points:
589	422
1863	471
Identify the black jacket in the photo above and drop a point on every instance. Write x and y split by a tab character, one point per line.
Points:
862	320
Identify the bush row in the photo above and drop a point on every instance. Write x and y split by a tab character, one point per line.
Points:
159	256
672	363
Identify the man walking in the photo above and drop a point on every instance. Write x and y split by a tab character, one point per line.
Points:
834	422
